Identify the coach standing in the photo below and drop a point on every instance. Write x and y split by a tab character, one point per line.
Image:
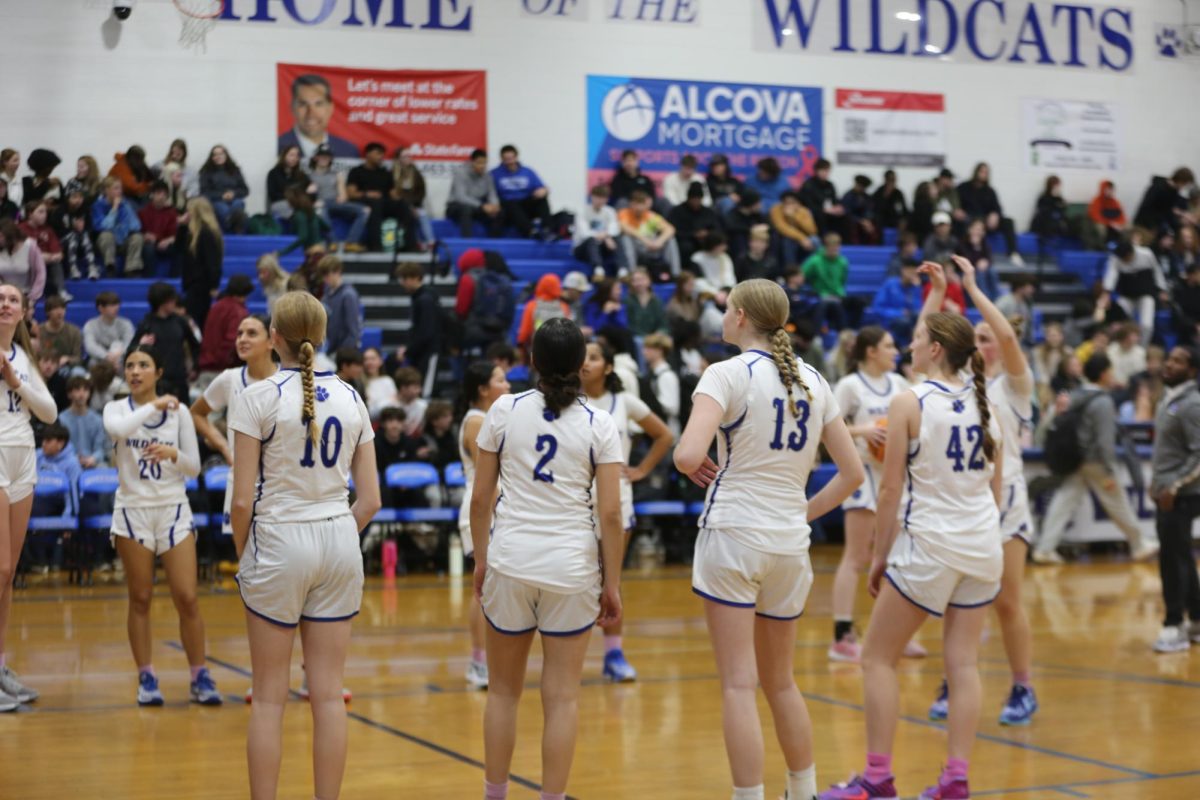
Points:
1175	487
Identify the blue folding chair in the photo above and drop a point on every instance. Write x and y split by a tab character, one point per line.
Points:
416	476
455	478
96	490
52	487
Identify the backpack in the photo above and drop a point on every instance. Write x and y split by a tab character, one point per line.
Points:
1063	450
493	308
263	225
546	310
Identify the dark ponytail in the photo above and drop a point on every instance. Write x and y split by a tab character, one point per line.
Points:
612	381
558	353
477	375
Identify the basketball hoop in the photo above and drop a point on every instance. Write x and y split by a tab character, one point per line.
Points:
199	17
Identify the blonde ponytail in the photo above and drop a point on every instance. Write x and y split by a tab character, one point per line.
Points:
785	361
981	399
299	318
766	307
308	415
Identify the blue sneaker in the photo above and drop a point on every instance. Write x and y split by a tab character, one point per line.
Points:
940	709
617	669
204	689
148	693
1021	706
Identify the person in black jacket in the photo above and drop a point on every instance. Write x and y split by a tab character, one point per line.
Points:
1164	207
891	209
286	173
627	179
723	186
693	222
201	251
168	329
1050	216
820	196
860	213
739	222
979	201
425	335
222	183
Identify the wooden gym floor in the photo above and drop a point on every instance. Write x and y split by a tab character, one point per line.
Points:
1117	721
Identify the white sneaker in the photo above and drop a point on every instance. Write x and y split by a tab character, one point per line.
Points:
1016	260
477	675
1172	639
347	695
8	703
10	685
1046	557
1144	551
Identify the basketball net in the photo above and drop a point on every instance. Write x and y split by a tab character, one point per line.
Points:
199	17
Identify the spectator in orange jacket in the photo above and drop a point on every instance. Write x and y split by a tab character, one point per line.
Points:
136	178
1106	213
546	305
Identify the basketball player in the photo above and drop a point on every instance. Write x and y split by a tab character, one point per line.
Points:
752	567
299	436
155	450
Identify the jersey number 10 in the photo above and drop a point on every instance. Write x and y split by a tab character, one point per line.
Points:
331	435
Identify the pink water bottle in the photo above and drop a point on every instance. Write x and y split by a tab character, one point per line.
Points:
391	555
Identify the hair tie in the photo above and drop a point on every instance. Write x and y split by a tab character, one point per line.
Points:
306	341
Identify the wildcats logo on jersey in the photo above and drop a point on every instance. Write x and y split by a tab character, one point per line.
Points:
142	444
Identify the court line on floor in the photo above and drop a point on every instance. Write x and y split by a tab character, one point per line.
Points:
384	727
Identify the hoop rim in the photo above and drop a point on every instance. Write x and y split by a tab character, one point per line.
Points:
220	7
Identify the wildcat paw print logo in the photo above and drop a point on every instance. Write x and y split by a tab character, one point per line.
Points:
1168	42
958	406
322	394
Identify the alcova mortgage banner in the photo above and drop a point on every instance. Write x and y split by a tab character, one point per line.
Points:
663	120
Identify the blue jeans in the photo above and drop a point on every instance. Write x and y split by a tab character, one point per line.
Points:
425	225
225	210
356	213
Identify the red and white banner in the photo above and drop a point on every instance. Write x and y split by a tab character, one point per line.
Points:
440	114
890	129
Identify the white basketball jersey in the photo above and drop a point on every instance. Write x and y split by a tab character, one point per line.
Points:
301	480
224	393
766	453
950	505
144	483
865	400
542	530
468	464
1012	398
15	430
625	409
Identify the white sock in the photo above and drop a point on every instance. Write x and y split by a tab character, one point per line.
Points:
748	793
802	785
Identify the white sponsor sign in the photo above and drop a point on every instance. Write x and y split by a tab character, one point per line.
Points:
1070	134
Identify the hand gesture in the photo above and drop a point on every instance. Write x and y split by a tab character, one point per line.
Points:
967	269
477	579
167	402
705	474
936	273
8	373
876	435
610	606
875	577
159	452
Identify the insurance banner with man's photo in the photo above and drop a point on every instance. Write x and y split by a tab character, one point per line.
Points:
440	114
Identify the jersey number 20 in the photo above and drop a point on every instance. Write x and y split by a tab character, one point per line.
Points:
331	435
798	438
955	452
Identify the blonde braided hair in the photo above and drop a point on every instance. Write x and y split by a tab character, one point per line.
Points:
766	307
299	318
957	338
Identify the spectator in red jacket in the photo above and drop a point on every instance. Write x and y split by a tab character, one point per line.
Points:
470	261
1107	216
160	223
218	346
37	227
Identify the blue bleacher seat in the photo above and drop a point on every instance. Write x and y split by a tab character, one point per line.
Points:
216	478
660	508
412	475
52	486
97	484
454	475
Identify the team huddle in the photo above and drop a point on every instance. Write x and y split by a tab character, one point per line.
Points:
929	477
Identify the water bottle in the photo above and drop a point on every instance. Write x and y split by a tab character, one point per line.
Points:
391	555
456	556
389	235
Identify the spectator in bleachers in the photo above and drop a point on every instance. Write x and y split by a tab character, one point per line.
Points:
768	180
1018	304
92	444
574	286
605	306
334	201
8	208
742	219
380	390
545	305
1045	359
311	231
36	227
221	182
1183	254
693	221
440	439
1106	222
925	198
898	302
348	363
684	305
342	306
803	302
842	362
408	386
201	257
78	252
946	198
860	213
975	248
656	349
646	236
596	233
117	226
286	173
21	263
891	209
10	167
793	223
820	196
41	185
1133	273
106	385
1127	354
1069	375
393	445
723	186
524	198
1186	306
712	261
58	454
370	184
628	179
942	243
1164	206
87	180
160	224
56	334
808	346
473	197
676	185
712	300
131	170
1145	388
979	201
1050	215
107	336
409	186
908	249
643	309
505	357
424	338
175	163
218	345
55	375
166	327
826	271
757	262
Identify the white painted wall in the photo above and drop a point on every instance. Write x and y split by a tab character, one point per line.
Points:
67	90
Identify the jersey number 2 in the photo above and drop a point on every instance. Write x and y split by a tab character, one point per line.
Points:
330	434
550	445
797	439
955	452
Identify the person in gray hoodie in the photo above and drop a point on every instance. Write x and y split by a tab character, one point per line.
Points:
473	197
1098	435
1175	488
